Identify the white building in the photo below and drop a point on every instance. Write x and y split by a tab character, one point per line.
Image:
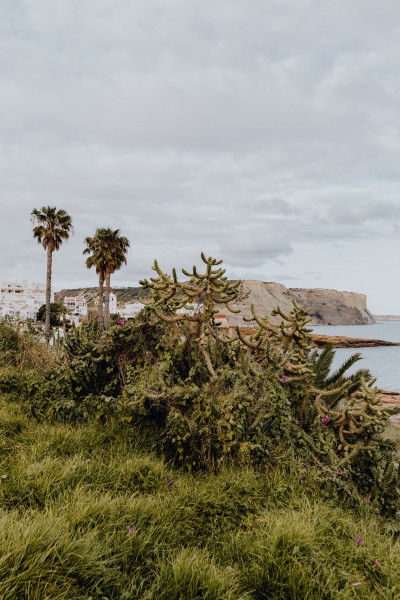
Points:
21	299
130	310
113	304
76	305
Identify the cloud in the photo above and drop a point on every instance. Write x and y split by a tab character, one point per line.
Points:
361	213
254	246
254	133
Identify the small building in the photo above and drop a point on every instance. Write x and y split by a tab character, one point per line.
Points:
76	305
221	320
130	310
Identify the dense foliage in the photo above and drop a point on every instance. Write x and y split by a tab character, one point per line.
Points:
215	399
57	314
168	458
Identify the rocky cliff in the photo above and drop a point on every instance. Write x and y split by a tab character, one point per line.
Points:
330	307
326	307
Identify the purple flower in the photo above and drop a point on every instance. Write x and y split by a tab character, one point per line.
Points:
171	482
359	540
131	530
121	321
377	564
325	420
340	471
283	378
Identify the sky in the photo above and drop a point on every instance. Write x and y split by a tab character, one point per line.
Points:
263	132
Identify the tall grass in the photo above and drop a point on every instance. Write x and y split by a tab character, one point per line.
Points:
94	512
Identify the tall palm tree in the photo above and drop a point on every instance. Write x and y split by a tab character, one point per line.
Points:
107	249
96	259
51	228
118	246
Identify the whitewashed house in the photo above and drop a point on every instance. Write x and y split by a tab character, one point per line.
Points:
76	305
21	300
130	310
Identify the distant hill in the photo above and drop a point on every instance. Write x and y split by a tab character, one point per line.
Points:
326	307
124	295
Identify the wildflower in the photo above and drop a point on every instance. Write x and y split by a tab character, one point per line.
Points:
171	482
357	584
377	564
359	540
121	321
340	471
325	420
131	530
283	378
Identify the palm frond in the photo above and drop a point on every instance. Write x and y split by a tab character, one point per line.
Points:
322	365
333	379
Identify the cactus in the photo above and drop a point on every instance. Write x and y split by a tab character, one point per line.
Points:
207	290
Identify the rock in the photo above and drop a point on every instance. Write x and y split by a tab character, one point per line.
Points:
326	307
330	307
341	341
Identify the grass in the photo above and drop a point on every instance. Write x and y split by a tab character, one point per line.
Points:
93	512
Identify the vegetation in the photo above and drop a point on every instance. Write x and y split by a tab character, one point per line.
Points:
95	512
52	228
107	253
164	458
57	310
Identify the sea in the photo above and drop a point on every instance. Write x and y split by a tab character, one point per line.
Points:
383	362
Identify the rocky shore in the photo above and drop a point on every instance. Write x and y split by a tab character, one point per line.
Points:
341	341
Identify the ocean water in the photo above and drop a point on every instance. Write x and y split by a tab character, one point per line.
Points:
383	362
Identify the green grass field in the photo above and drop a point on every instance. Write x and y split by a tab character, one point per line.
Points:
92	512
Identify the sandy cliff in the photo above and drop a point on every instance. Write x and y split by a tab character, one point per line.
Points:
330	307
325	306
265	297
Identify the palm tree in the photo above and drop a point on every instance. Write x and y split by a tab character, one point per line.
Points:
118	246
325	380
96	259
108	253
51	228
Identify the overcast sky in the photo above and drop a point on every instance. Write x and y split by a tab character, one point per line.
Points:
265	132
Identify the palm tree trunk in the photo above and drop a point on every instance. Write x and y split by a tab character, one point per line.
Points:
100	299
48	293
107	299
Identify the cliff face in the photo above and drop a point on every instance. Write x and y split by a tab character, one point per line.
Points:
265	297
330	307
326	307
